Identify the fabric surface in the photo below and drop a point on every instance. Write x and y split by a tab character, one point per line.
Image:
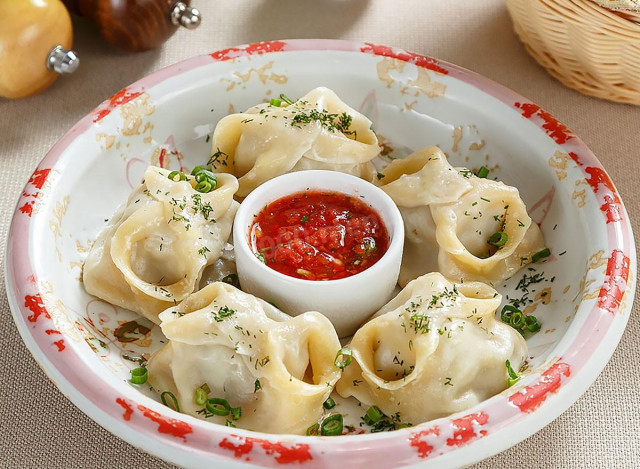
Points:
40	427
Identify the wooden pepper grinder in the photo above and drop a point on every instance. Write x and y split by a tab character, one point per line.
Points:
35	38
136	25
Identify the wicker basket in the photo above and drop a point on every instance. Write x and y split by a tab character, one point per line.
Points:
587	47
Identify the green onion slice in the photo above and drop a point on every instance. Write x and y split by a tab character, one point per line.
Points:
236	413
541	255
532	324
513	376
275	102
483	172
368	421
174	402
313	430
374	414
343	358
498	239
517	320
229	423
200	396
218	406
139	375
261	257
329	403
204	187
181	176
198	169
285	98
332	425
204	175
507	311
200	177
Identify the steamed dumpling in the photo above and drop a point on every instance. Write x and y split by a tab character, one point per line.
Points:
152	253
464	228
423	178
279	370
433	350
318	131
449	217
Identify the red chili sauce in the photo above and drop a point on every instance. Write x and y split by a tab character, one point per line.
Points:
318	235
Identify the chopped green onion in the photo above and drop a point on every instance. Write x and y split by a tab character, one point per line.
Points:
285	98
261	257
483	172
204	187
329	404
205	387
513	376
229	423
218	406
257	386
498	239
200	396
139	375
313	430
517	320
213	181
373	415
205	175
232	279
236	413
541	255
275	102
343	358
507	311
181	176
174	401
532	324
332	425
207	181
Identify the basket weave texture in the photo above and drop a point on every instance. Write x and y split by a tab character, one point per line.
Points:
585	46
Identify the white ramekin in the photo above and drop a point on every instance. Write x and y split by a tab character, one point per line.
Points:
347	302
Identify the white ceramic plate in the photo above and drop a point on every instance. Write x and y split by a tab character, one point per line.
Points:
414	101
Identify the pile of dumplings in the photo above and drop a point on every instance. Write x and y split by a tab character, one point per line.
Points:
434	349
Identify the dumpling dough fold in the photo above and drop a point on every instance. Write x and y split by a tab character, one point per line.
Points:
433	350
152	253
449	215
279	370
318	131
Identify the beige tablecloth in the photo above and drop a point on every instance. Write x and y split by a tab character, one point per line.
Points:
41	428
